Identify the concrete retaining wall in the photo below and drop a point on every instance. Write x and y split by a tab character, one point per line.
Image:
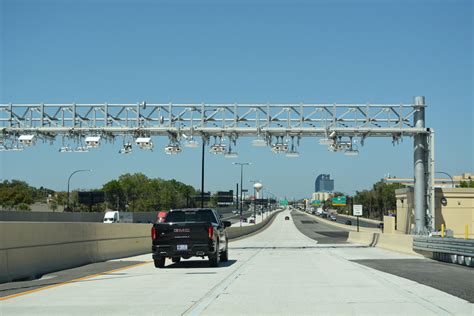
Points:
93	217
31	249
237	232
395	242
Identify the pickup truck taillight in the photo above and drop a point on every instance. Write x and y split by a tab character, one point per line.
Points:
153	233
210	232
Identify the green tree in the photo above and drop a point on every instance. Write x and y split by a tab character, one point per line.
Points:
378	201
465	184
141	193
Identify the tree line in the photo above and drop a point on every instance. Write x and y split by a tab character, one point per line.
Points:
19	195
138	193
130	192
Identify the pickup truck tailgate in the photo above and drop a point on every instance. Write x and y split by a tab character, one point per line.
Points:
178	233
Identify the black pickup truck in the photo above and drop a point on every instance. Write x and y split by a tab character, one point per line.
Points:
186	233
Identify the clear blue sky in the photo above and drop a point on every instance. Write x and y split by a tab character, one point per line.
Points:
241	51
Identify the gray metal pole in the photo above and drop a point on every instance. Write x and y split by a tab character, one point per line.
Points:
202	172
241	186
419	167
68	182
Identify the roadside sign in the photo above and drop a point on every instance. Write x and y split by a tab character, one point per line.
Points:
357	210
316	202
339	201
283	202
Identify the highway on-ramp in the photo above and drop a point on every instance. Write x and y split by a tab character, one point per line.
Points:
279	271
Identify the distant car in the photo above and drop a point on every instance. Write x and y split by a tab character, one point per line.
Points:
348	222
333	217
287	218
244	220
251	221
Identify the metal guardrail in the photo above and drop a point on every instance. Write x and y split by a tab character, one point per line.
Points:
453	250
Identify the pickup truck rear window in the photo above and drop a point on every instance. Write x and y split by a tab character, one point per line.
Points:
197	216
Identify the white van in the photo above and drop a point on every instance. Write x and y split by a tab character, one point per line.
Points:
118	217
111	217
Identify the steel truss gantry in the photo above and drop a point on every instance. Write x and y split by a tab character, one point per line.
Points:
331	122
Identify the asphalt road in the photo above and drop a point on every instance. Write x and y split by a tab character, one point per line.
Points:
229	216
449	278
362	223
323	233
341	219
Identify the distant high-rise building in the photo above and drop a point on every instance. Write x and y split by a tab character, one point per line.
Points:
324	183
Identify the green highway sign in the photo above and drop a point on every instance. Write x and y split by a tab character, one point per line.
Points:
339	201
316	202
284	202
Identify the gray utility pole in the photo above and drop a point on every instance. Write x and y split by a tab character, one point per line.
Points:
241	164
420	167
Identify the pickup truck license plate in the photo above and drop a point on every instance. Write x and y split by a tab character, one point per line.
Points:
182	247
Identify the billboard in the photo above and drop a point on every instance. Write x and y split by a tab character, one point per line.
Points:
91	197
225	197
206	197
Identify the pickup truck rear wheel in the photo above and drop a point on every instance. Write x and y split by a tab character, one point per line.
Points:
176	259
214	259
224	256
160	262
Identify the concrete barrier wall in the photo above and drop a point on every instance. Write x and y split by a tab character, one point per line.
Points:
28	250
237	232
17	216
31	249
93	217
395	242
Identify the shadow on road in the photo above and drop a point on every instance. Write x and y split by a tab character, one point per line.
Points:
198	264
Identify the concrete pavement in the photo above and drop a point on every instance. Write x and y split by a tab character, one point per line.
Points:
279	271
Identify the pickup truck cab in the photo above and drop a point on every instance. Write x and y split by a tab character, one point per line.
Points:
187	233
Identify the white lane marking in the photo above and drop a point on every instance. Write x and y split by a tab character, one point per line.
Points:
201	305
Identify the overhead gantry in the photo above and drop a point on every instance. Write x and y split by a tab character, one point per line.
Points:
341	127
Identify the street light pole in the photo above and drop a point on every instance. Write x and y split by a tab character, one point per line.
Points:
202	173
68	182
445	173
241	164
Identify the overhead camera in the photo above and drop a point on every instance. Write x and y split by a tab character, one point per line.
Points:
127	148
27	140
173	149
144	143
92	141
279	148
218	149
